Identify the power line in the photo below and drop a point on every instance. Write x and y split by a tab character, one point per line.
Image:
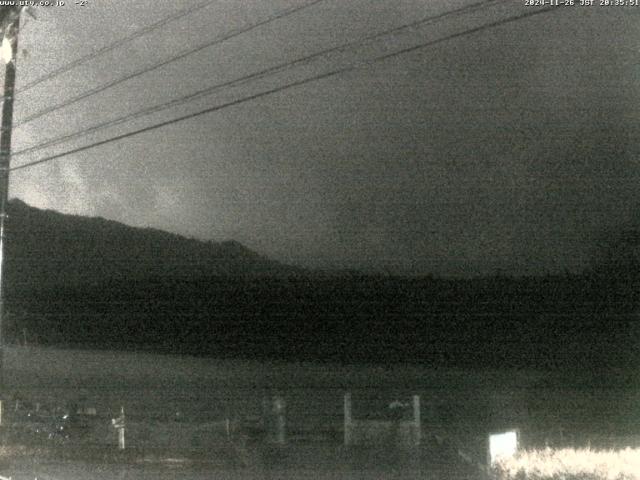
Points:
256	75
234	33
118	43
287	86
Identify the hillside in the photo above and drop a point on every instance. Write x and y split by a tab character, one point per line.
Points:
50	249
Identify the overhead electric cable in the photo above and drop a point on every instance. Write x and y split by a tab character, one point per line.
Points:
227	36
253	76
287	86
112	46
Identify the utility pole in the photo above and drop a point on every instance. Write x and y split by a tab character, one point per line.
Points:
9	49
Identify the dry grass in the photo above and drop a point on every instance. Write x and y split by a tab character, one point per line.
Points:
571	463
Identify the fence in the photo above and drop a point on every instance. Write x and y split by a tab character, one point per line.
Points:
396	430
396	421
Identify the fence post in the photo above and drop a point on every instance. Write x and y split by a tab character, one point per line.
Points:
417	424
348	421
279	408
121	444
274	417
118	424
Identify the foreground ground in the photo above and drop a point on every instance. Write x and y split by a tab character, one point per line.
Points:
177	404
291	462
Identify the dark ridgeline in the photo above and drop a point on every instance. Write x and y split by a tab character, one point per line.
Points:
90	282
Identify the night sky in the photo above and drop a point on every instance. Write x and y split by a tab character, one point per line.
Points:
513	148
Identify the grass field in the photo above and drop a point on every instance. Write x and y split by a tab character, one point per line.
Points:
571	463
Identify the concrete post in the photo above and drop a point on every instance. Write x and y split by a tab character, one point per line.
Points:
348	420
121	444
417	425
119	424
279	410
274	418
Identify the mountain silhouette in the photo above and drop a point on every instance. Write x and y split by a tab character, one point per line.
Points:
47	249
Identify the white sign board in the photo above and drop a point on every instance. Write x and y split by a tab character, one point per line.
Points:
502	445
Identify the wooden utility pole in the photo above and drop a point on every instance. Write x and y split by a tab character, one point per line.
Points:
9	49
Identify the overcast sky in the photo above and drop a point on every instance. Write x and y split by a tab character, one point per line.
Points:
512	148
